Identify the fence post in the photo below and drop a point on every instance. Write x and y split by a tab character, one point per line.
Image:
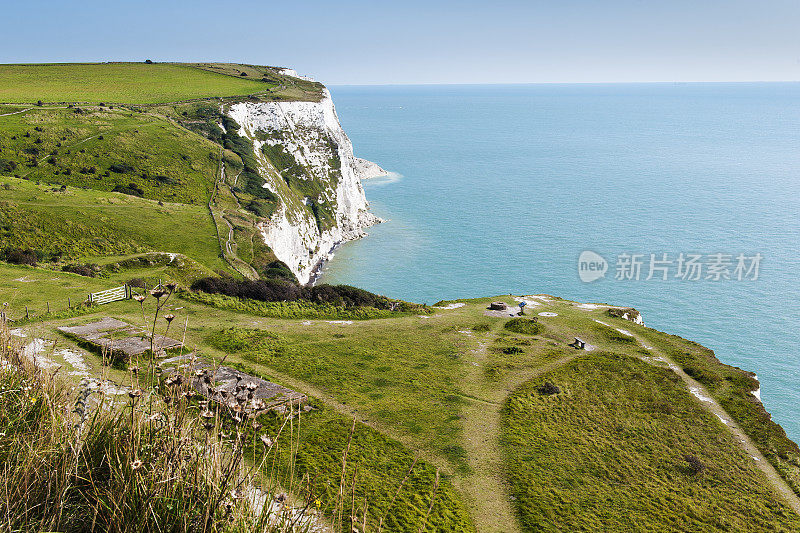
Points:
48	308
27	316
69	302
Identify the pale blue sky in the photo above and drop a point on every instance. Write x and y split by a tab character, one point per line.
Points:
366	42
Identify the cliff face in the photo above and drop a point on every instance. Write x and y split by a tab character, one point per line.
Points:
307	161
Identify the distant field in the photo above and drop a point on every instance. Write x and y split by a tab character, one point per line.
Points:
134	83
90	224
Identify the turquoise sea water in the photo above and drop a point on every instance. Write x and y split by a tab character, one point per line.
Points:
500	188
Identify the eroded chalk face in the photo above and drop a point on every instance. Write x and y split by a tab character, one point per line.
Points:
591	266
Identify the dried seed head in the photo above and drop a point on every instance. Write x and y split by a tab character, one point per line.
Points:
171	286
174	379
169	318
267	441
207	414
208	426
251	386
136	465
134	369
158	292
200	373
135	393
139	297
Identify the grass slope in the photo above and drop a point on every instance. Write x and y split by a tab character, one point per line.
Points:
86	224
104	149
626	426
437	384
132	83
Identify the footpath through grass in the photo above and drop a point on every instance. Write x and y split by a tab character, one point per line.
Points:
629	429
436	383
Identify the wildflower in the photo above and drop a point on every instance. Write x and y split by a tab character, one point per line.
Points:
174	379
135	393
169	318
207	414
266	440
136	465
251	386
200	373
139	297
235	407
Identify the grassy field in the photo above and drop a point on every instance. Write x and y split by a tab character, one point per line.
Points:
108	149
732	388
436	385
626	428
87	224
132	83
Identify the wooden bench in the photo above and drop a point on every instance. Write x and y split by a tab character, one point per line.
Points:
579	343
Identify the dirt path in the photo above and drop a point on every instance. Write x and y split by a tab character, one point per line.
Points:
711	405
15	112
228	246
485	487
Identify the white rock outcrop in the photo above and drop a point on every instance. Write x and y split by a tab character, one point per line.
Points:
322	155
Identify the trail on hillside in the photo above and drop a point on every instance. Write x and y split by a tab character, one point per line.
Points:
705	399
486	486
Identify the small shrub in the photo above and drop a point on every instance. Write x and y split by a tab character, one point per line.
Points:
120	168
527	326
131	189
19	256
695	465
510	350
548	389
88	270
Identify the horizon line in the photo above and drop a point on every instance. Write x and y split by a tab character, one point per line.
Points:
659	82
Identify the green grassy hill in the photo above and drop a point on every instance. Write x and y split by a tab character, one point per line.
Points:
138	83
145	131
605	450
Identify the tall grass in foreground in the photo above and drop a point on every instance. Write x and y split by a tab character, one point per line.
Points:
112	467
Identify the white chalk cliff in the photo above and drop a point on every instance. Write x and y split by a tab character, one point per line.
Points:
321	201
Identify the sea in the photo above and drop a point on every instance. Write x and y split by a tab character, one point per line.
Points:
501	189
